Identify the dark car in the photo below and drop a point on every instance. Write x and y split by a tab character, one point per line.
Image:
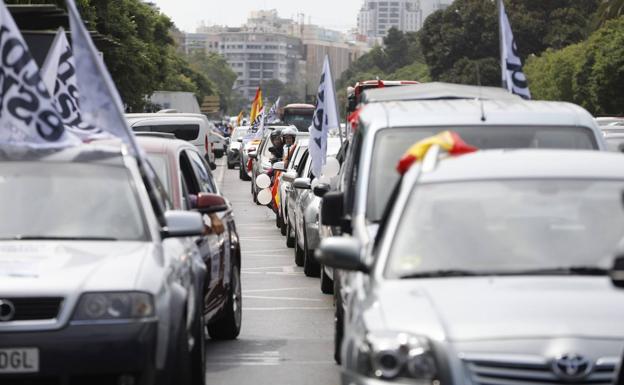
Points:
186	175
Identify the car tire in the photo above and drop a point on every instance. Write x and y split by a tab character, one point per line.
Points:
229	325
278	220
230	166
242	174
311	267
299	253
290	240
283	227
182	360
198	354
327	285
338	328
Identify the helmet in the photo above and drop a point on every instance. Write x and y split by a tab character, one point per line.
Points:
276	133
290	131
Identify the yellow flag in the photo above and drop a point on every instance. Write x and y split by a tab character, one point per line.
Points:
239	119
256	106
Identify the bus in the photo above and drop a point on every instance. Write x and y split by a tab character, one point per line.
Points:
299	115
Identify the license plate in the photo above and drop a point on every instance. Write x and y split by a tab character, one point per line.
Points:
19	360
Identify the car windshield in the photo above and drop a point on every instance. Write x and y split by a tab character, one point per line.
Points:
68	201
239	133
391	144
508	226
301	120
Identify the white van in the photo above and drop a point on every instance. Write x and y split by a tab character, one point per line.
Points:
194	128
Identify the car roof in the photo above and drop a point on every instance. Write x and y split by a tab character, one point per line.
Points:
163	120
109	153
435	90
154	145
525	164
466	112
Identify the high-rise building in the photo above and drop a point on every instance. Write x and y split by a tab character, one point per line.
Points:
376	17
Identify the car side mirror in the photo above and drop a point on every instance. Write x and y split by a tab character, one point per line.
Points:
321	189
182	224
332	209
302	183
617	272
342	253
239	140
279	166
208	203
253	155
289	176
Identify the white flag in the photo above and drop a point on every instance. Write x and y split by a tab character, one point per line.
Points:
260	120
28	117
100	103
272	118
511	65
59	75
325	117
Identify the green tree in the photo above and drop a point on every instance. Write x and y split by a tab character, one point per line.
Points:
215	68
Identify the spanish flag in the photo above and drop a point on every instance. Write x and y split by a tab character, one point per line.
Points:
239	119
447	140
256	105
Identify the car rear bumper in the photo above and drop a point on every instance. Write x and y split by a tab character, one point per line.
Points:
233	156
88	354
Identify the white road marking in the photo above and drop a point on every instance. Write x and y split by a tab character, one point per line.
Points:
279	289
282	298
263	251
285	308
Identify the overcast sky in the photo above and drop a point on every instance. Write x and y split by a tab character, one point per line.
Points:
187	14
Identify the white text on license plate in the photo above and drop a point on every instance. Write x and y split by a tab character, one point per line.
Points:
19	360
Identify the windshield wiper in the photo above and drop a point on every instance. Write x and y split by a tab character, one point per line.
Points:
563	270
442	274
58	238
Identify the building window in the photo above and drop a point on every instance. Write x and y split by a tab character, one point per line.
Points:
267	75
254	74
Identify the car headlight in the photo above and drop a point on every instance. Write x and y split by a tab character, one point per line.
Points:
390	355
114	305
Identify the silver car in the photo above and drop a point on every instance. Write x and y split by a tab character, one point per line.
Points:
97	277
285	186
492	268
306	214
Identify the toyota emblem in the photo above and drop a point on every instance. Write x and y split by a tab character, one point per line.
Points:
572	367
7	310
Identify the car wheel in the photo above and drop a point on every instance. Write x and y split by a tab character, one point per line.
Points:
230	166
283	227
311	268
290	240
278	220
299	253
182	370
327	285
338	328
242	173
198	354
228	326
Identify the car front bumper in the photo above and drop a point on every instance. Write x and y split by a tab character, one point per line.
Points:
89	353
351	378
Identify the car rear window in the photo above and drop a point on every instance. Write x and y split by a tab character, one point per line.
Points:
187	132
391	144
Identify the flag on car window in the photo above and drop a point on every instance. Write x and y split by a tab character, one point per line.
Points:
511	66
59	75
28	117
259	124
239	119
100	103
256	105
325	117
449	141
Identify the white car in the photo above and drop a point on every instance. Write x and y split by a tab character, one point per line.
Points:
194	128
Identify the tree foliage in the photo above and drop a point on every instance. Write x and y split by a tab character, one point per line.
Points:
590	73
465	35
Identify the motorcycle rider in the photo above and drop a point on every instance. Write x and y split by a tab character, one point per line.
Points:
289	135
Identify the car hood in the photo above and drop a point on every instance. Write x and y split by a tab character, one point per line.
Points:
67	267
462	309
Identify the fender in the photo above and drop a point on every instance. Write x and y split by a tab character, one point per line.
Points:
167	331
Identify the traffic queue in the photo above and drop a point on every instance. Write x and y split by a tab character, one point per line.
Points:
468	235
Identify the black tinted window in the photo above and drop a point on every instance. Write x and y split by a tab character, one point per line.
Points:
181	131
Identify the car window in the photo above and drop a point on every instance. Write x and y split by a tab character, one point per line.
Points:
187	132
206	182
390	145
82	201
159	164
188	174
351	174
302	164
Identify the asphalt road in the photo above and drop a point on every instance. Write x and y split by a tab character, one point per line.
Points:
287	331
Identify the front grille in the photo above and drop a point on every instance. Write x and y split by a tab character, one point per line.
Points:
519	372
37	308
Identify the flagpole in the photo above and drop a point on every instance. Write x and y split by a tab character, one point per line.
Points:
499	4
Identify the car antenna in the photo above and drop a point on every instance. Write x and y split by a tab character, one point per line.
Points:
480	99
